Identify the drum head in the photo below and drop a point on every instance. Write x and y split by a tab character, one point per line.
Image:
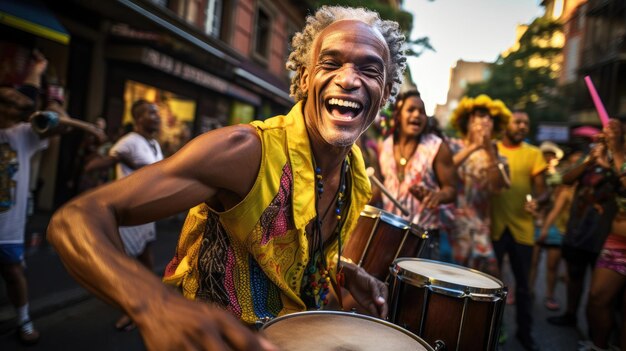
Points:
447	274
329	330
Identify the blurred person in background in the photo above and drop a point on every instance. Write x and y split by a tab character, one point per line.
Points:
591	213
482	172
551	222
417	168
609	276
90	152
19	140
131	152
512	228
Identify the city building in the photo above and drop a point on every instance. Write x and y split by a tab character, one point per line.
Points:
462	74
206	63
597	32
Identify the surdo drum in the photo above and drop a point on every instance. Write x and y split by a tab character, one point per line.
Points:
443	302
339	331
379	238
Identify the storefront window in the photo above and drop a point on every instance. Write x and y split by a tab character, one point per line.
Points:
241	113
177	113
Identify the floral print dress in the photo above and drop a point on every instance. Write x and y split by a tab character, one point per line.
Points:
418	171
471	238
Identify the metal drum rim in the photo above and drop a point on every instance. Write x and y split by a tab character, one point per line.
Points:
351	314
463	290
393	219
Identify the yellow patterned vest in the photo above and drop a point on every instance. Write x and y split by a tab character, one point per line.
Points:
251	259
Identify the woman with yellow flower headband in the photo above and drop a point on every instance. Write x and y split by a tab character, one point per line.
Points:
481	172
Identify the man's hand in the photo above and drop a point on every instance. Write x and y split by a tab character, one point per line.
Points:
531	206
368	291
181	324
39	63
543	235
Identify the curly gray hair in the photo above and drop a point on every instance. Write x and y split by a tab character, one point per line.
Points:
325	16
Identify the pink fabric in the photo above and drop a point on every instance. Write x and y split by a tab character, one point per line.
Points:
613	254
585	131
418	171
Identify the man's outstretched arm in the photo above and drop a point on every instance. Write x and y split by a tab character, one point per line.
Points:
85	234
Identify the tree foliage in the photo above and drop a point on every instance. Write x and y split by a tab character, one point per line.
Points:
526	79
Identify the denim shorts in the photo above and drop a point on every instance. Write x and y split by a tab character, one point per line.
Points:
11	253
554	238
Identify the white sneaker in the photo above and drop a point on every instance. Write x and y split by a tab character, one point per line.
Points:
587	345
27	333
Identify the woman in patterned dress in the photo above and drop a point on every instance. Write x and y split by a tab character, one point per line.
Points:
481	172
417	168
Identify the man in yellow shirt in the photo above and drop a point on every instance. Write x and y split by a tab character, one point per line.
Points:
511	221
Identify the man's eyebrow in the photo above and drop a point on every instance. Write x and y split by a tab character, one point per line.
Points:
366	58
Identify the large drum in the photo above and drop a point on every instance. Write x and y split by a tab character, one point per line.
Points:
330	331
444	302
379	238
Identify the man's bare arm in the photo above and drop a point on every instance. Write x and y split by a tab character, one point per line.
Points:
84	233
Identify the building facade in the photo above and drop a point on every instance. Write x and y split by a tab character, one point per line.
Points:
206	63
462	74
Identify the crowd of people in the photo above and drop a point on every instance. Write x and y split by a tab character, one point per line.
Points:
268	242
514	200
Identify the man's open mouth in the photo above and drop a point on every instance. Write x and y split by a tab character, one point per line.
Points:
343	109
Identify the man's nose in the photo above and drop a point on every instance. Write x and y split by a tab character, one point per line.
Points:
348	78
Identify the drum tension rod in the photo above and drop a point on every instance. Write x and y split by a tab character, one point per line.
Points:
440	345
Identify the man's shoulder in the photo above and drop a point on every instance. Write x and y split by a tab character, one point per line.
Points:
19	132
130	137
275	122
21	127
530	147
524	147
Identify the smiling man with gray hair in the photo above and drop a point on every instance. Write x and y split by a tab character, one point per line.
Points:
260	241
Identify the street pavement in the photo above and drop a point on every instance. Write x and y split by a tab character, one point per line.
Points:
69	318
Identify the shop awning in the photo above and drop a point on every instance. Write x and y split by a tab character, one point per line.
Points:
33	17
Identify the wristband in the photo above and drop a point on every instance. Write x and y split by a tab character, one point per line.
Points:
43	121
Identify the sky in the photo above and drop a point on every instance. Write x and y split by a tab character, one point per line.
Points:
472	30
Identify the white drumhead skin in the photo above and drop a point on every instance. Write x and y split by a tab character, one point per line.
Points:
450	274
337	332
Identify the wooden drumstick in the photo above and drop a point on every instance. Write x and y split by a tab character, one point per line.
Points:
370	173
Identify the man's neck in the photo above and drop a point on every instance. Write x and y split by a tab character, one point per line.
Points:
329	160
144	134
510	143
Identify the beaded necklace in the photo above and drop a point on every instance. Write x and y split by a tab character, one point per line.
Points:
316	286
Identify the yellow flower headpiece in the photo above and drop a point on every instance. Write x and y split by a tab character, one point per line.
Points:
498	111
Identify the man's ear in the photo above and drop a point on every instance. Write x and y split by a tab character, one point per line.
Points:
304	79
386	93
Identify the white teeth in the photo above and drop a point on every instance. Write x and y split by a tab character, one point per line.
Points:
344	103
